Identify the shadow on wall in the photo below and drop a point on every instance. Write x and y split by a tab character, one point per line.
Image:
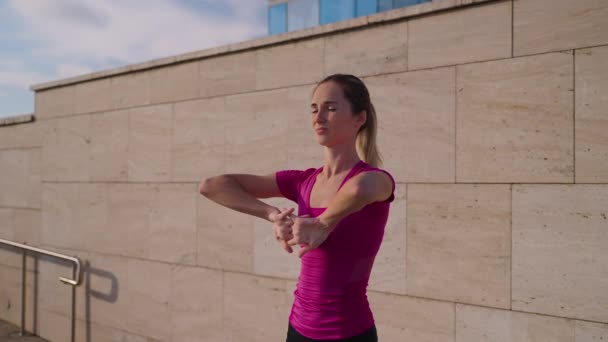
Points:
111	296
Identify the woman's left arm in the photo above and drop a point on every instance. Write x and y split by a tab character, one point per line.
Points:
359	191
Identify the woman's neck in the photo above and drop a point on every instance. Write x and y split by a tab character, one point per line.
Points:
339	160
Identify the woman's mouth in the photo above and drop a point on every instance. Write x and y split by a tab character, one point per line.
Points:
321	130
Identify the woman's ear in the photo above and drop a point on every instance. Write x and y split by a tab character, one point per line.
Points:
362	118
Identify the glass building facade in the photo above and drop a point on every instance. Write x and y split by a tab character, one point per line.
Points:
291	15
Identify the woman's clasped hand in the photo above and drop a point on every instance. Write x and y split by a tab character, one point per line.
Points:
290	230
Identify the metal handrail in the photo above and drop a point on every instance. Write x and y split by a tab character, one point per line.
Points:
75	281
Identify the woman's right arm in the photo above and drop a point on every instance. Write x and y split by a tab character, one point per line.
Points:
240	192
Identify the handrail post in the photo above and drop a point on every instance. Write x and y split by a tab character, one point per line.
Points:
23	271
73	305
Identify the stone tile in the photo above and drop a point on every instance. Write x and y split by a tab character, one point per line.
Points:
170	233
54	102
58	216
155	221
88	216
128	210
65	149
352	52
591	142
388	273
290	64
255	131
27	226
303	150
10	296
475	323
459	234
467	35
569	221
53	326
174	82
21	226
196	302
511	130
149	308
402	318
8	255
198	139
225	237
546	25
74	215
184	78
22	135
160	85
130	90
109	146
228	74
245	294
416	120
269	258
93	96
590	331
152	221
21	178
150	133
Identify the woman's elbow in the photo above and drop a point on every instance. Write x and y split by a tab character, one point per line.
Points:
204	187
209	185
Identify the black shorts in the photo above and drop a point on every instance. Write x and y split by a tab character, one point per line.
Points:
368	336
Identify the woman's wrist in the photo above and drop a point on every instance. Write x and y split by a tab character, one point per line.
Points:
325	224
271	212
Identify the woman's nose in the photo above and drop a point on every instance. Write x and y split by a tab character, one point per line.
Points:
320	116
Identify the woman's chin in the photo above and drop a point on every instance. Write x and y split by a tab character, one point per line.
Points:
322	140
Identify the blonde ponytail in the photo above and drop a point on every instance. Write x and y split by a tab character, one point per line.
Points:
366	140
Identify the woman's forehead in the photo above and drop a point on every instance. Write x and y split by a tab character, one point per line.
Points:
328	91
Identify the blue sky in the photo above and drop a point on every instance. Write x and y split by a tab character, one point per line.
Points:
45	40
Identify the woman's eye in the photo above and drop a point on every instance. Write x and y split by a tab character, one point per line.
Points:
332	109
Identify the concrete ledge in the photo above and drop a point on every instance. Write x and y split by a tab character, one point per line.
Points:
17	119
378	18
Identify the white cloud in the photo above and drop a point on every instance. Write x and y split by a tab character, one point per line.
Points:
22	79
132	31
69	70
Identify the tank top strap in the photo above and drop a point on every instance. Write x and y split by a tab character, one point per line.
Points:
354	171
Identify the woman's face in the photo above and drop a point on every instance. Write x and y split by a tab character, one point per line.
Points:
332	117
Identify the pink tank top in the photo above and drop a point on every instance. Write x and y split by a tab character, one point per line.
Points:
330	300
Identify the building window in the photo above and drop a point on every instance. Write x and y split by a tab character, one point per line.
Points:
336	10
366	7
404	3
385	5
302	14
277	19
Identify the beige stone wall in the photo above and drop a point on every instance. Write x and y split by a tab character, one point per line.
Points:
492	119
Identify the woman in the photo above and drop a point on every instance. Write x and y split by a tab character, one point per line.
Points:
342	211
